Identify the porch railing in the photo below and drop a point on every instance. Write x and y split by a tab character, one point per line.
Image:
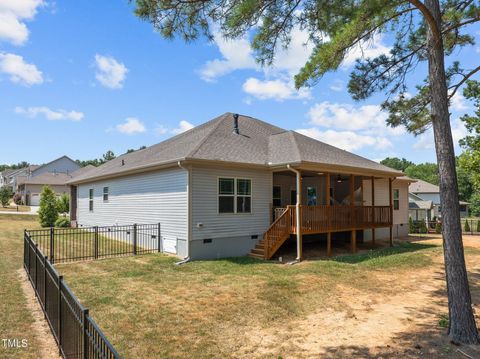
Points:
323	219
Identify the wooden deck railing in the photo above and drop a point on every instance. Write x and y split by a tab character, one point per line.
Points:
318	219
323	219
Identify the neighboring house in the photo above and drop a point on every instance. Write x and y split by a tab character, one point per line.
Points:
418	209
10	177
216	187
428	192
56	173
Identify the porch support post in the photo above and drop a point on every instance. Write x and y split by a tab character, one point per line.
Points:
390	195
298	214
353	241
373	210
327	198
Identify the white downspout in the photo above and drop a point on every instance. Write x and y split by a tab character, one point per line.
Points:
189	217
297	213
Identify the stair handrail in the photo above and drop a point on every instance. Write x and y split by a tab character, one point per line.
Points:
266	236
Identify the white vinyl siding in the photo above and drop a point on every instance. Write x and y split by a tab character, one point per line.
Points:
154	197
207	222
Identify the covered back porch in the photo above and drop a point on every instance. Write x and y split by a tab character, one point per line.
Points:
307	202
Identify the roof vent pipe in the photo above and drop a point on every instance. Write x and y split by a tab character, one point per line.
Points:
235	124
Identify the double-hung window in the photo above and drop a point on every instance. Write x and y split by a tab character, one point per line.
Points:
105	194
277	196
396	199
90	199
234	195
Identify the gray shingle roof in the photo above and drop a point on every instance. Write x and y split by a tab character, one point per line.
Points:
259	143
423	187
419	204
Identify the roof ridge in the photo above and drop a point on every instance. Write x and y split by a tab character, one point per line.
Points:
292	134
202	142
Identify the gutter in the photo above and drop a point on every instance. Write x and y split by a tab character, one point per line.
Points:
189	210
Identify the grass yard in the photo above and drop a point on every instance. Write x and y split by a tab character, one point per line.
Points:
388	303
15	317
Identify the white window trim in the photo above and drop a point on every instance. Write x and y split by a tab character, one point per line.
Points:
91	200
398	199
107	193
234	195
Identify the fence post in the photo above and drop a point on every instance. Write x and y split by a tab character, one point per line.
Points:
59	307
45	286
36	276
158	238
52	240
26	247
96	242
85	334
135	239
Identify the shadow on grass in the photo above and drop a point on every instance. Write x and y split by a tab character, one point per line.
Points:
384	252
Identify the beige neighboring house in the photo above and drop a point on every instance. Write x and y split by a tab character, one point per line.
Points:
237	185
31	186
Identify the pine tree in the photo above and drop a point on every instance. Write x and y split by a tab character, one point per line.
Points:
48	211
424	31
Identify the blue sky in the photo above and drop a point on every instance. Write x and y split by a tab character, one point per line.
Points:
82	77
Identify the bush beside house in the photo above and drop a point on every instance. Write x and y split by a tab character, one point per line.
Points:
5	196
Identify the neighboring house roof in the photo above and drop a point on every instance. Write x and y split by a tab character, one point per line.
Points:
420	204
414	197
51	178
258	143
423	187
47	178
48	163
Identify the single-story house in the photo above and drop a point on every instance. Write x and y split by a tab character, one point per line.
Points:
427	192
237	185
56	174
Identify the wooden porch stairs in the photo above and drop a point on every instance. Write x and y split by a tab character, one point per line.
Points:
275	236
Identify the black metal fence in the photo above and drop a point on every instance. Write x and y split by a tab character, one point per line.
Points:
72	244
75	332
470	226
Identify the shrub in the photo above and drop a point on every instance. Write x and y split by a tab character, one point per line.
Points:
423	227
467	226
63	204
438	228
5	195
411	226
17	198
62	222
48	212
443	321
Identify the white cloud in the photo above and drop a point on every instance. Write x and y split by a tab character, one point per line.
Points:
274	89
346	116
19	71
337	85
277	82
110	73
236	55
426	140
458	102
161	130
49	114
13	13
132	125
347	140
182	127
366	49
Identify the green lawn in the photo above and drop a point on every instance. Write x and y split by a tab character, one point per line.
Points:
148	307
15	318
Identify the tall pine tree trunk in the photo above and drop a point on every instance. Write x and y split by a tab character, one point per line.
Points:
462	327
